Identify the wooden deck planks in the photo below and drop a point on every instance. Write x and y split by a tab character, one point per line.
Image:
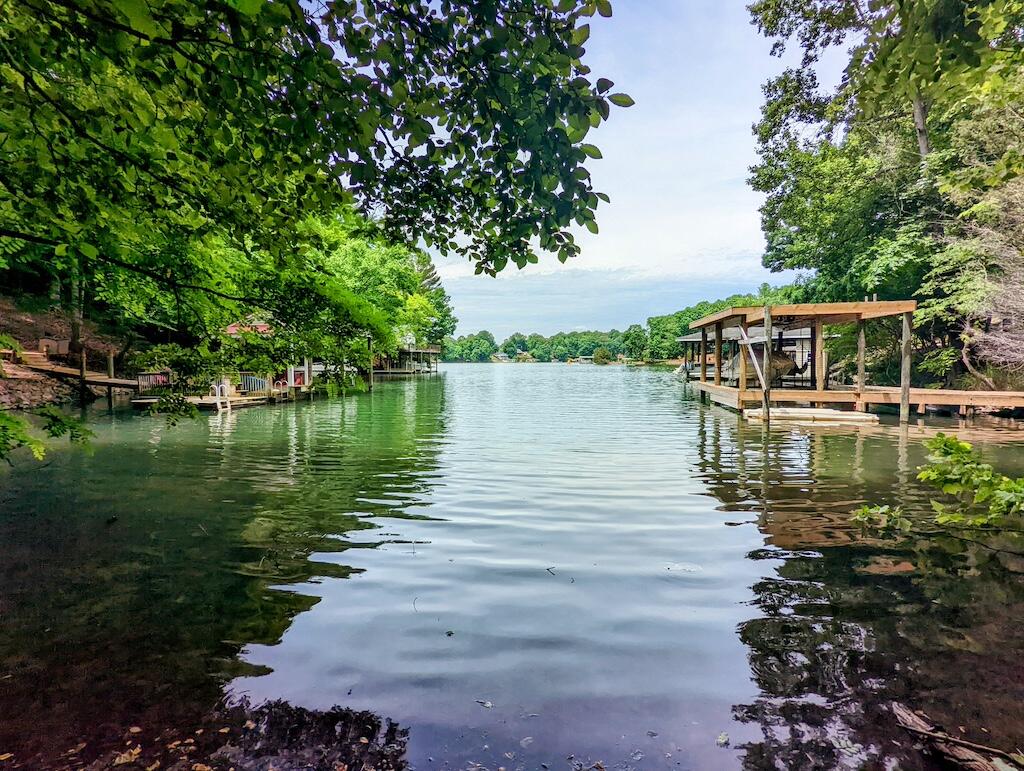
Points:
734	397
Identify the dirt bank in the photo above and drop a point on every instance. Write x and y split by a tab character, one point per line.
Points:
22	388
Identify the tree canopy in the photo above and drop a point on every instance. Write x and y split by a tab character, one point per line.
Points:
459	123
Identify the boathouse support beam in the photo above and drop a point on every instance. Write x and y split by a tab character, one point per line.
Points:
861	375
767	349
742	382
905	369
703	355
718	353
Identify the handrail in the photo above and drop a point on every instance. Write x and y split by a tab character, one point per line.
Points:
219	390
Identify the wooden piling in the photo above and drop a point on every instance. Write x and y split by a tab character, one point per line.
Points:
767	355
703	355
905	369
718	354
743	351
861	375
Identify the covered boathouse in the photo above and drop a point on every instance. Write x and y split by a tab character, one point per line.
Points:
763	372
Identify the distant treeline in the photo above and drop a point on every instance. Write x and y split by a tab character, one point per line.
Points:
655	341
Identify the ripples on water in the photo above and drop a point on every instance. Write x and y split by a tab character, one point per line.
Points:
517	563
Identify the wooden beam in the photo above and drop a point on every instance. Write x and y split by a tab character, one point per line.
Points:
848	311
703	350
749	351
814	356
905	369
861	376
744	350
766	390
820	379
718	354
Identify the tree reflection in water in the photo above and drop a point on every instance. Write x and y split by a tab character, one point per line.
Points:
133	576
845	624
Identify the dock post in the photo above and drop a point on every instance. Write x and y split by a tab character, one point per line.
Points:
861	376
820	375
767	354
905	370
703	354
369	370
82	387
743	351
718	353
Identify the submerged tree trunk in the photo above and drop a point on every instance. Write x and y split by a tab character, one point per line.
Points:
921	126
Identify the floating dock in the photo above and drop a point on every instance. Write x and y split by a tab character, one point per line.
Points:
210	403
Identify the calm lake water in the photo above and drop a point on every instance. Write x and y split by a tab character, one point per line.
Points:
516	563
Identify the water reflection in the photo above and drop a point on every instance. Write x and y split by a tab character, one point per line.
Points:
624	573
846	625
133	575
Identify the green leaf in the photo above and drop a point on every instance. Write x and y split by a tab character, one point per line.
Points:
591	150
591	226
604	7
88	250
138	16
603	84
622	100
248	7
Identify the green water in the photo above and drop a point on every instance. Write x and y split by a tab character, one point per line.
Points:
617	572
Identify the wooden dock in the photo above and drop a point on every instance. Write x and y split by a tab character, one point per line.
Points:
71	373
759	354
209	403
852	398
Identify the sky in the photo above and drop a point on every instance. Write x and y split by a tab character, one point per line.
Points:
683	224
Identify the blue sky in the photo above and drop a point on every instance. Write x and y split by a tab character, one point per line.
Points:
682	224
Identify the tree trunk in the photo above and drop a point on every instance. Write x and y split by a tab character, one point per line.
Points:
921	126
965	357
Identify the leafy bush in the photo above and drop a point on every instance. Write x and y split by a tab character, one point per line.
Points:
602	356
984	499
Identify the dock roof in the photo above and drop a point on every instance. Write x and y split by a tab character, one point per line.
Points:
733	333
802	314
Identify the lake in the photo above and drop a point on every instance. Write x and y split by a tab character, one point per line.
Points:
514	563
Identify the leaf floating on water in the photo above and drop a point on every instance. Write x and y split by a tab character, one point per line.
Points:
6	756
722	740
128	756
484	704
134	730
636	756
249	724
526	741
